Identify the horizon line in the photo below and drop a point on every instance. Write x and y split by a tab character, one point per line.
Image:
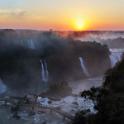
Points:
92	30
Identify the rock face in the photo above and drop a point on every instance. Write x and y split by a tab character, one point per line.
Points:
29	60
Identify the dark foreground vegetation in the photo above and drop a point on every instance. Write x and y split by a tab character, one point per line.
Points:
110	99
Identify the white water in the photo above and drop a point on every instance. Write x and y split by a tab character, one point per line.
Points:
116	55
73	104
83	67
44	70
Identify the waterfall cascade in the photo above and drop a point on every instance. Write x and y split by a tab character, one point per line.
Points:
31	44
115	56
83	67
44	70
3	87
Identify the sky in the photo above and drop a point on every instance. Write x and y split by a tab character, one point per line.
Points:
62	14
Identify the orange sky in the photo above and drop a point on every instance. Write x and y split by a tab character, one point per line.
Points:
62	14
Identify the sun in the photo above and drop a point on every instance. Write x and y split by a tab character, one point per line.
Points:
79	24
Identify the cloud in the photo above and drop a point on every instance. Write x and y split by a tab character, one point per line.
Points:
13	13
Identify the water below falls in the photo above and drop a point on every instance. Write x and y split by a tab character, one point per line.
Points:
44	71
84	67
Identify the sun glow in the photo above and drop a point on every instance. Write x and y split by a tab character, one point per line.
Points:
80	24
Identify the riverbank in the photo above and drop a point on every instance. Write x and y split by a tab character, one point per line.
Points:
44	110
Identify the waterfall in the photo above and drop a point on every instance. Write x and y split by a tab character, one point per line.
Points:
47	73
83	67
31	44
115	56
44	70
3	87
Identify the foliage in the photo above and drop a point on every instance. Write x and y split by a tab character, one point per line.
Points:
110	99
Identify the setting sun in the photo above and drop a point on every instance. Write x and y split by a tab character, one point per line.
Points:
80	24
